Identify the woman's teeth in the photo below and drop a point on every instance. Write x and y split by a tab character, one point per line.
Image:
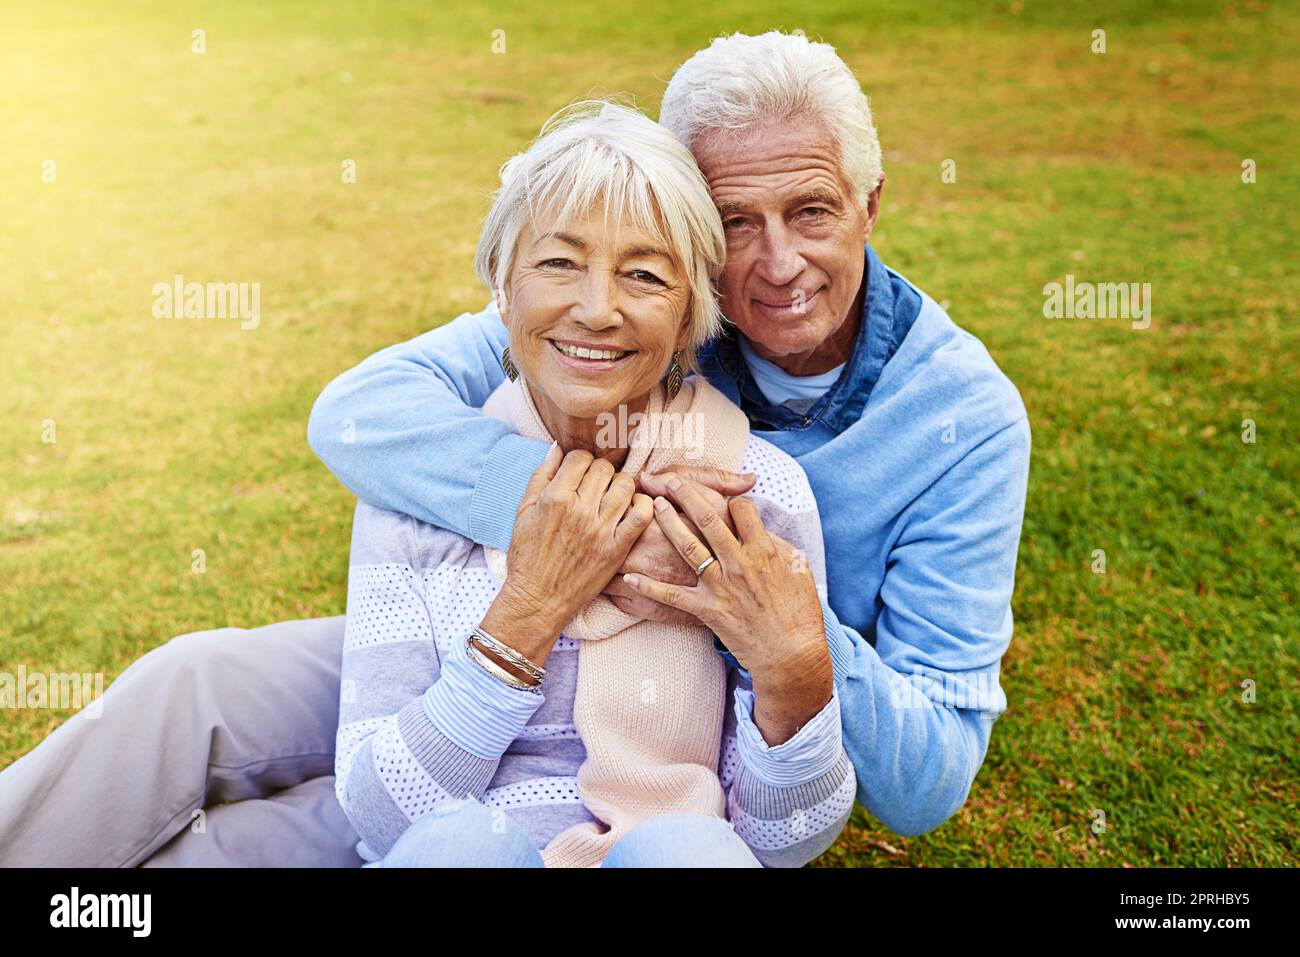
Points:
579	352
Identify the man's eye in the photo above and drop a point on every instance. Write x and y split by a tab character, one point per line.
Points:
813	211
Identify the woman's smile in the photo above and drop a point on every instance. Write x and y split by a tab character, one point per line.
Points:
589	357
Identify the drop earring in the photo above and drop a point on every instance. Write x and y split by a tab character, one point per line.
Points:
508	364
675	375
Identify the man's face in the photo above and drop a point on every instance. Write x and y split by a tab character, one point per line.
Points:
794	240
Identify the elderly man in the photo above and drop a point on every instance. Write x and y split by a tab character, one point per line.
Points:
914	443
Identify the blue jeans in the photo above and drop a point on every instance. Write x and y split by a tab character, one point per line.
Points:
467	834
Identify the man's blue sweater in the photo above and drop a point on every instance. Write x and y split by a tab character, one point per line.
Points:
918	457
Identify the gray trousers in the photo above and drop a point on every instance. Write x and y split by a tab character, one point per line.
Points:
246	716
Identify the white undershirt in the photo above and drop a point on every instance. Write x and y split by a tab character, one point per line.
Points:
797	392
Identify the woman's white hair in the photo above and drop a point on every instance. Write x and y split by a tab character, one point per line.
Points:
741	81
599	154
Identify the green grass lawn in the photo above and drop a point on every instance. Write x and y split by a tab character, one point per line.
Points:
1125	688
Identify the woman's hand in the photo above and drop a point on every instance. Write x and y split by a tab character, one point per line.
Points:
655	557
759	597
578	520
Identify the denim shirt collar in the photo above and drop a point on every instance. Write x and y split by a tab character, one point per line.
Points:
842	405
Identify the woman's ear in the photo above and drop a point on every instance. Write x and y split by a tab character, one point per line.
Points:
503	305
684	330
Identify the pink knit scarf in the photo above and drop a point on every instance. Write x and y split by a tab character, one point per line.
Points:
650	697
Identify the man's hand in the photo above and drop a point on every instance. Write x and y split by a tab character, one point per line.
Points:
655	557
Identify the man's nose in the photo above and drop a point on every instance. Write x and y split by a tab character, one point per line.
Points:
779	261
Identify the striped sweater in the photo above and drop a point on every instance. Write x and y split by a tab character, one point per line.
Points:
420	723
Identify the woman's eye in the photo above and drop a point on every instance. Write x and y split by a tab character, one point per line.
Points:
644	275
734	223
556	263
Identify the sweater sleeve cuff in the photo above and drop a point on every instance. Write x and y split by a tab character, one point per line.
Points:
725	654
812	752
500	488
839	644
476	711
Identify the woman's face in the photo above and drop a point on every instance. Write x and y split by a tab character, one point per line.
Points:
595	313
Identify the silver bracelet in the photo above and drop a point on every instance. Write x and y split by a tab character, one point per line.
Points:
505	651
496	671
510	654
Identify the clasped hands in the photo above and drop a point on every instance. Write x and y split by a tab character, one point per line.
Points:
759	596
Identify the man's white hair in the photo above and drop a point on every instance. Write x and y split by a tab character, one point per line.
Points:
741	81
597	154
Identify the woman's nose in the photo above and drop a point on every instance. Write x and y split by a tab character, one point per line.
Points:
597	306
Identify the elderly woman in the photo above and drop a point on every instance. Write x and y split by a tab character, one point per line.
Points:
496	709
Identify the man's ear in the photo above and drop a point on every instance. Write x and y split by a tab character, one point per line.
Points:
872	210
